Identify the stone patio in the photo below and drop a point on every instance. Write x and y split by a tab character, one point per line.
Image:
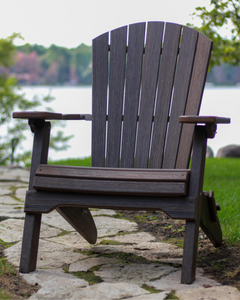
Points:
124	263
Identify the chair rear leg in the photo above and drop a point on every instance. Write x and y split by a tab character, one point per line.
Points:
30	243
190	252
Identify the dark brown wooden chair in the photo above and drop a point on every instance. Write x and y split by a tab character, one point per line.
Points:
147	87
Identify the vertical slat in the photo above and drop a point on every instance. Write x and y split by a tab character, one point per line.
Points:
165	85
148	93
116	92
99	98
200	68
181	88
133	83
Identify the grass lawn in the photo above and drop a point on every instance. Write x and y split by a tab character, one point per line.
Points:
222	175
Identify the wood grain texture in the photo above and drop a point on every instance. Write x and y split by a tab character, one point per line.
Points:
99	97
37	115
210	227
122	187
32	222
202	57
165	90
112	173
148	92
81	220
77	117
195	189
175	207
28	260
141	96
116	93
181	87
132	92
204	119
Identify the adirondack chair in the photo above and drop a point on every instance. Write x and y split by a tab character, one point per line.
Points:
146	94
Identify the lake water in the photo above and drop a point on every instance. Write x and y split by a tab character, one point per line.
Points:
217	101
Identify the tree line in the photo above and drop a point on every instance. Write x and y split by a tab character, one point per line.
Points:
35	64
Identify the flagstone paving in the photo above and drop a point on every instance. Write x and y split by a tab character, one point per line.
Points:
124	263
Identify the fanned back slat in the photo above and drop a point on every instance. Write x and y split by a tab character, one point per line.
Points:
132	92
181	88
148	93
165	85
99	99
136	116
116	93
199	74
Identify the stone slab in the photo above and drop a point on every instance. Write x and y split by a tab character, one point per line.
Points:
172	282
54	218
7	184
133	238
201	293
107	291
149	250
14	173
55	283
9	200
153	296
133	273
86	264
12	211
21	191
5	191
111	226
11	230
73	240
106	212
50	255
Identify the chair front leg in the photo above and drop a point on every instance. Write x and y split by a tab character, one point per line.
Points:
32	223
195	190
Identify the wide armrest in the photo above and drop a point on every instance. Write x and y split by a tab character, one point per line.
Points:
204	119
210	123
43	115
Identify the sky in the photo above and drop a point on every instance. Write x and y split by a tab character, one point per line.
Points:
69	23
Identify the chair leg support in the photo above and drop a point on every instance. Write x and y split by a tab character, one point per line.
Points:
30	243
190	252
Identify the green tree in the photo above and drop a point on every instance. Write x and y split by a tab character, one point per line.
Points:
221	23
12	99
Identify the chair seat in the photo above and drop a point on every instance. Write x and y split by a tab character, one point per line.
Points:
155	182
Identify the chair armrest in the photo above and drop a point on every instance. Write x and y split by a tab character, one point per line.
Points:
210	123
43	115
204	119
86	117
32	115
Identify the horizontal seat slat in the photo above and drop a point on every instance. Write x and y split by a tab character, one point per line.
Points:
113	173
110	186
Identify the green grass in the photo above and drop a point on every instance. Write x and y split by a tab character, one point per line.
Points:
83	162
5	267
4	295
222	175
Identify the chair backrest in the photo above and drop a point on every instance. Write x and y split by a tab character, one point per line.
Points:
143	80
